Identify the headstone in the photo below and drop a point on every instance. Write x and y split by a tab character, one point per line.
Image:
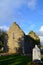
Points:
2	48
36	53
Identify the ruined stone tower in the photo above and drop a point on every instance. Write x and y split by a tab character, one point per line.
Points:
15	39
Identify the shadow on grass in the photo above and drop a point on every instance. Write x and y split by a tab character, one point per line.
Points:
42	59
15	60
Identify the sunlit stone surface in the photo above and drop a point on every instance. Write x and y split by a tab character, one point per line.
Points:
36	53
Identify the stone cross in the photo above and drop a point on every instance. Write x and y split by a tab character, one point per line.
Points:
36	55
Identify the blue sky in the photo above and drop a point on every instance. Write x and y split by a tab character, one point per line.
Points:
27	13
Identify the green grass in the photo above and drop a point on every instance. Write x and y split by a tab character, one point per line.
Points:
42	57
14	60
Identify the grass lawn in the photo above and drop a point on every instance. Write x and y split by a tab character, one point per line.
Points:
42	57
14	60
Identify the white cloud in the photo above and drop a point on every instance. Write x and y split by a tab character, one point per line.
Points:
41	38
40	34
7	7
41	29
4	27
32	4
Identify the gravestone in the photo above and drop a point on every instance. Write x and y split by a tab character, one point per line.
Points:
36	55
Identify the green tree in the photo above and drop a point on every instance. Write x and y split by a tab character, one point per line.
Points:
3	38
35	37
1	44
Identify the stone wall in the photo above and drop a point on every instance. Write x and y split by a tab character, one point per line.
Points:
18	42
15	39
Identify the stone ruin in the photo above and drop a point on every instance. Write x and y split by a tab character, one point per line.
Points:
15	39
18	42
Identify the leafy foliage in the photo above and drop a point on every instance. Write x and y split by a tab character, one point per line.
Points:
35	38
1	44
3	37
33	35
